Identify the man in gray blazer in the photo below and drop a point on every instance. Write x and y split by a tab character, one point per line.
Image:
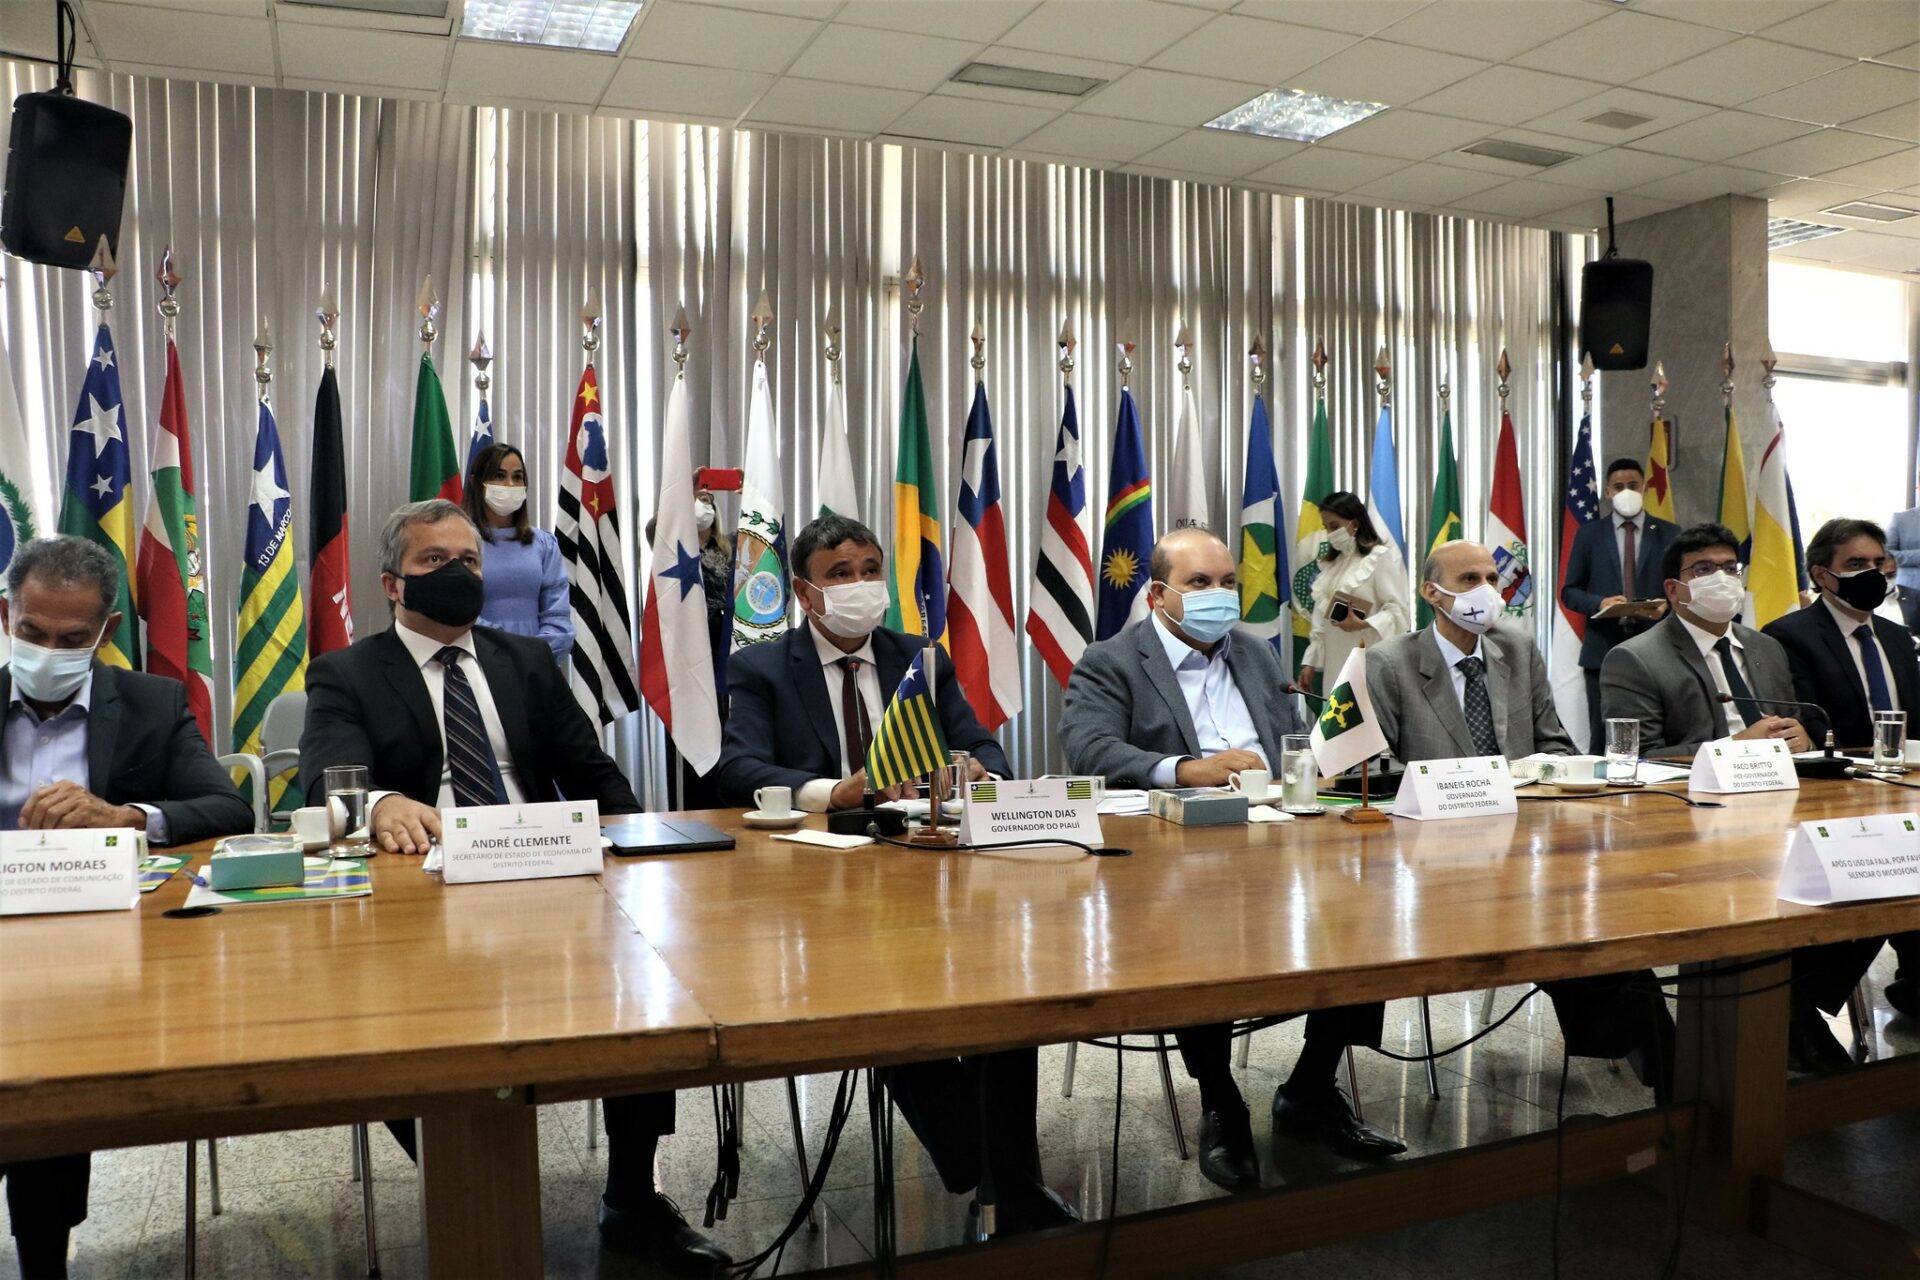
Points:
1185	698
1903	544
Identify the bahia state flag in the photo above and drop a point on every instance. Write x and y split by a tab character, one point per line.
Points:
917	580
272	654
1128	540
173	587
435	470
1060	617
98	505
980	634
676	654
1507	522
1263	555
1346	732
908	742
760	538
22	506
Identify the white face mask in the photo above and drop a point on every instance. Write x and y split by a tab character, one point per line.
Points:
1342	539
851	610
504	499
50	675
1474	610
1716	597
1628	503
703	514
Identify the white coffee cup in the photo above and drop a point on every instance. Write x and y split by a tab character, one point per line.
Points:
1913	750
310	824
774	802
1256	783
1578	769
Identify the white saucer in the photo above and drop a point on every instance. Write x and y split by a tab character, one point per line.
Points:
773	822
1582	788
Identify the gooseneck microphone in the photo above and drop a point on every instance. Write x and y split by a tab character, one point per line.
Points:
1292	687
1830	764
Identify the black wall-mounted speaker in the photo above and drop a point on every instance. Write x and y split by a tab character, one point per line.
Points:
66	179
1616	308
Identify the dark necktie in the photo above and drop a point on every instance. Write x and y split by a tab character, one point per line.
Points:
1877	692
853	715
1743	701
470	760
1627	558
1479	707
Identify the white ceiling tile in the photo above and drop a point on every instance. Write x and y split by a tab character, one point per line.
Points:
783	8
1097	139
373	57
552	75
983	20
1249	49
1220	154
1360	19
1591	213
1379	71
1496	29
1524	198
1736	72
1888	173
1861	89
1905	56
1168	97
1729	15
711	37
1115	30
1508	95
1722	134
677	91
1703	182
1409	135
1621	46
29	29
1805	196
194	41
1618	169
1855	28
988	124
1324	168
1818	153
1661	112
1428	184
837	108
1898	122
890	59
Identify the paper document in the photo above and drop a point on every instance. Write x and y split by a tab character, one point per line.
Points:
824	839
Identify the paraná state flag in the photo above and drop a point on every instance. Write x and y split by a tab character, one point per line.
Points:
1187	499
1659	486
1444	521
908	742
330	625
435	471
1262	570
170	570
272	655
1579	504
588	532
481	438
760	537
22	501
980	634
676	653
1060	618
917	579
98	504
1507	522
1346	732
1383	484
1309	535
833	481
1127	542
1772	575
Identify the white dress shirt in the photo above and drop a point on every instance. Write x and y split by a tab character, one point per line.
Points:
423	650
1848	625
816	796
1639	524
1452	655
1736	712
1221	721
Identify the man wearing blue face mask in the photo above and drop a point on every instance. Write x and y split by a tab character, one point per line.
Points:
1182	698
83	744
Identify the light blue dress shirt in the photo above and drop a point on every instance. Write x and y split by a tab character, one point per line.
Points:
1221	721
41	752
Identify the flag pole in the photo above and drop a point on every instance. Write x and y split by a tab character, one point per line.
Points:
1726	375
831	329
1364	814
263	369
328	314
1504	387
480	358
103	269
1067	344
428	305
170	280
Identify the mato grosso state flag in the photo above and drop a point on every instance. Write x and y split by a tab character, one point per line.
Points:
98	504
980	633
1309	535
173	589
1507	522
1060	617
271	658
908	742
22	506
760	589
435	470
1127	542
1262	570
676	654
1346	732
331	626
917	580
1444	523
588	532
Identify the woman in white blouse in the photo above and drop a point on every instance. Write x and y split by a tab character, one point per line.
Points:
1360	596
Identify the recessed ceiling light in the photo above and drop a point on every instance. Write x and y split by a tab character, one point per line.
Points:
1782	232
1619	120
1868	211
1295	114
1518	152
999	77
594	25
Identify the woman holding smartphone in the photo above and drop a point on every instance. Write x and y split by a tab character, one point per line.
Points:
1361	595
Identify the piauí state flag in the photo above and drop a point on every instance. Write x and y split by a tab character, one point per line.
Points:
1659	486
1507	522
1262	569
173	586
435	472
980	635
1346	732
272	655
98	505
22	504
1127	544
760	538
1444	523
908	742
917	581
1383	484
1309	535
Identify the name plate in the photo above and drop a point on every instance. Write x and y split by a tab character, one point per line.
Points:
1726	766
1853	860
1466	787
520	841
49	871
1031	809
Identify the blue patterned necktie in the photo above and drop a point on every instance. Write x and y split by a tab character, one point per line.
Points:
1479	707
1877	692
470	760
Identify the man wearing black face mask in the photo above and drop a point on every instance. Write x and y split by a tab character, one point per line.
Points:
444	713
1854	662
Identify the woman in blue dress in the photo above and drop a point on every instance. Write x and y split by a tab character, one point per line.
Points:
526	580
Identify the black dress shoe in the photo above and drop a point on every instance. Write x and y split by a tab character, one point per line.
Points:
654	1229
1227	1159
1033	1208
1323	1114
1903	995
1812	1048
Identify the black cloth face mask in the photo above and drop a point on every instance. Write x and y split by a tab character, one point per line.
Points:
451	595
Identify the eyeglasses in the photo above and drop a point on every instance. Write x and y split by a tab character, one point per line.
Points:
1707	568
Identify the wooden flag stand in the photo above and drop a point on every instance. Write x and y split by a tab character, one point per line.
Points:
1364	814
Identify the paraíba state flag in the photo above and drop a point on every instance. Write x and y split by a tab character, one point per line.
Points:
1128	541
1346	732
980	631
272	655
173	590
908	743
917	580
1060	618
98	504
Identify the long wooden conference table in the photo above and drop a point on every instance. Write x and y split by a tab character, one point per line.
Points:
467	1005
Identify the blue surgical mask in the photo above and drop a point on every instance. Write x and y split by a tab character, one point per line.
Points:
1208	614
49	675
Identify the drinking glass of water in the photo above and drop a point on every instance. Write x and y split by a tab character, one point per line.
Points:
1299	774
346	788
1623	751
1890	741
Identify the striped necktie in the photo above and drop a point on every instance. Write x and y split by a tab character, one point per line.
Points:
474	768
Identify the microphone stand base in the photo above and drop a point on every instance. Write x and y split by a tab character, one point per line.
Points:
1365	815
934	837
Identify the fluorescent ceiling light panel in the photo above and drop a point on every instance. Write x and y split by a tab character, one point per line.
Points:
1782	232
1619	120
990	73
1295	114
597	26
1868	211
1518	152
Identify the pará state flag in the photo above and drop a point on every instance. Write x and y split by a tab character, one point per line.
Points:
23	511
676	654
1507	522
1262	570
98	505
760	538
1128	540
481	438
1346	732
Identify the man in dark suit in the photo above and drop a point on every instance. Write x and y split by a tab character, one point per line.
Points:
803	711
1184	698
1614	559
444	713
1852	662
85	745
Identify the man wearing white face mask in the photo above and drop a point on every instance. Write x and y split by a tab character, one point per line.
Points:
1615	557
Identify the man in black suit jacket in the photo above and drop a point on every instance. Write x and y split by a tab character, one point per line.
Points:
802	716
1596	573
84	745
444	713
1853	662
